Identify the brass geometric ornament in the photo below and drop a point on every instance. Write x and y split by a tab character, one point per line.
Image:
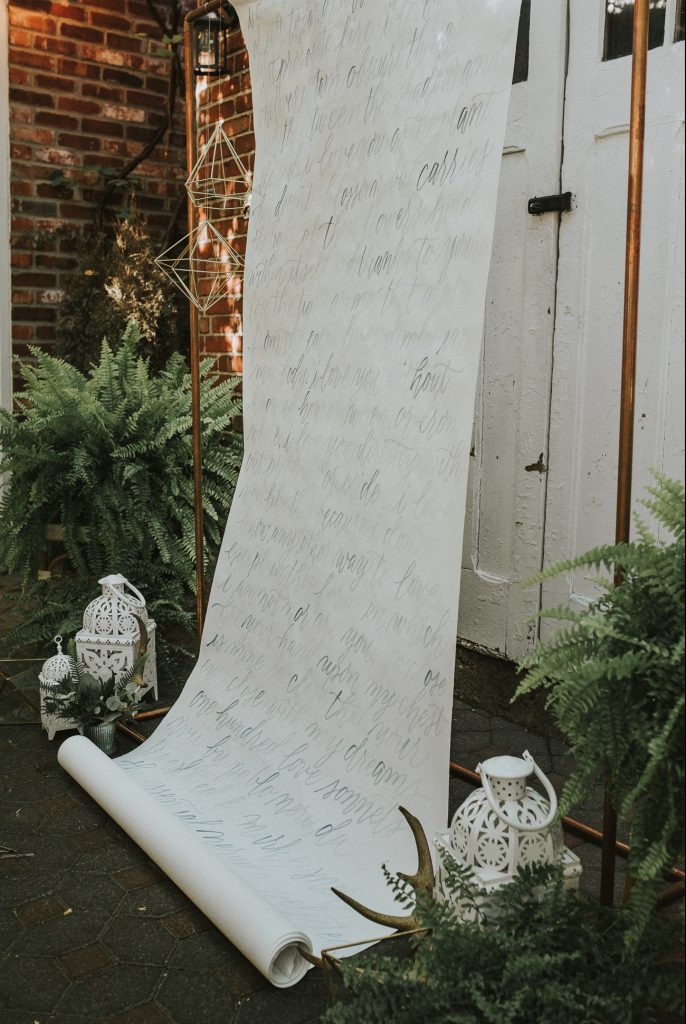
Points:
220	181
203	265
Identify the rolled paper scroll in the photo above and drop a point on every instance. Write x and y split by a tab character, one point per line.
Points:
255	926
322	696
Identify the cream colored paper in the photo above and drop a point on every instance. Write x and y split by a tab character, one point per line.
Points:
322	697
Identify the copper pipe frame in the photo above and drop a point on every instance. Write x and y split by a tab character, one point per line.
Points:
639	70
577	828
608	838
144	716
191	157
675	892
133	734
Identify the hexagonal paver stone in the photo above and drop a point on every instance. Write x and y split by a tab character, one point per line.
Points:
30	983
242	979
66	815
23	883
50	853
184	923
110	991
136	878
137	941
301	1004
106	860
82	962
39	910
96	839
149	1013
61	934
98	893
208	950
24	817
194	997
155	901
10	927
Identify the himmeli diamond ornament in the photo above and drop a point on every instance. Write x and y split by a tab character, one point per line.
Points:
220	181
203	265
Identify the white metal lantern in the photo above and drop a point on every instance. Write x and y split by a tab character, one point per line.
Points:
110	641
54	670
503	826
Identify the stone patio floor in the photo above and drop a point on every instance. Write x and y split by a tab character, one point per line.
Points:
91	931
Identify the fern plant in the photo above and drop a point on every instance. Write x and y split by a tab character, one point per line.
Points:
107	456
547	957
615	681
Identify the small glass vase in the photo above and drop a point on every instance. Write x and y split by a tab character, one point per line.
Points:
104	735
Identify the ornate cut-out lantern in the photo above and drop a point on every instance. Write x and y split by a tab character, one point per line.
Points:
54	670
114	625
502	827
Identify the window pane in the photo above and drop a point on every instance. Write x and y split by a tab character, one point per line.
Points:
619	26
521	64
680	8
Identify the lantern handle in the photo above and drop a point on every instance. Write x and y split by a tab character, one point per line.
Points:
522	826
123	594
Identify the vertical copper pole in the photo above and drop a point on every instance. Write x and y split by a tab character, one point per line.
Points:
628	399
191	152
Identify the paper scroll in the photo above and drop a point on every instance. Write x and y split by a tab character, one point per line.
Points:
322	696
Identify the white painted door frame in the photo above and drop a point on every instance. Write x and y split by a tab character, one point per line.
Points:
506	504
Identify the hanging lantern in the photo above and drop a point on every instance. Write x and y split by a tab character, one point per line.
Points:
210	44
115	626
54	670
501	828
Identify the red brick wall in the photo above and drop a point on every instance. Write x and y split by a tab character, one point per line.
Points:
86	90
228	99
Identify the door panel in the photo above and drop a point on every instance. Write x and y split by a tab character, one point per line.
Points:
506	504
588	330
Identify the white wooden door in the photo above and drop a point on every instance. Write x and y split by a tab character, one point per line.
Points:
588	332
506	505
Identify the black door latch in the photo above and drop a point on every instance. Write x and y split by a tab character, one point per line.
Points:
550	204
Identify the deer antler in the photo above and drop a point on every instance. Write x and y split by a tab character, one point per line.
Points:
422	881
142	651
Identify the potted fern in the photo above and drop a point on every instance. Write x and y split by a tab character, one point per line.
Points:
615	680
95	706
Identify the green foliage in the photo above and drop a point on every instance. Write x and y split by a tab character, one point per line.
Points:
615	678
83	699
108	457
545	960
116	281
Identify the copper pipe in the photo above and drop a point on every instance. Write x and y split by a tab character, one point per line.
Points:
19	661
577	828
144	716
639	70
133	734
191	153
191	157
672	894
